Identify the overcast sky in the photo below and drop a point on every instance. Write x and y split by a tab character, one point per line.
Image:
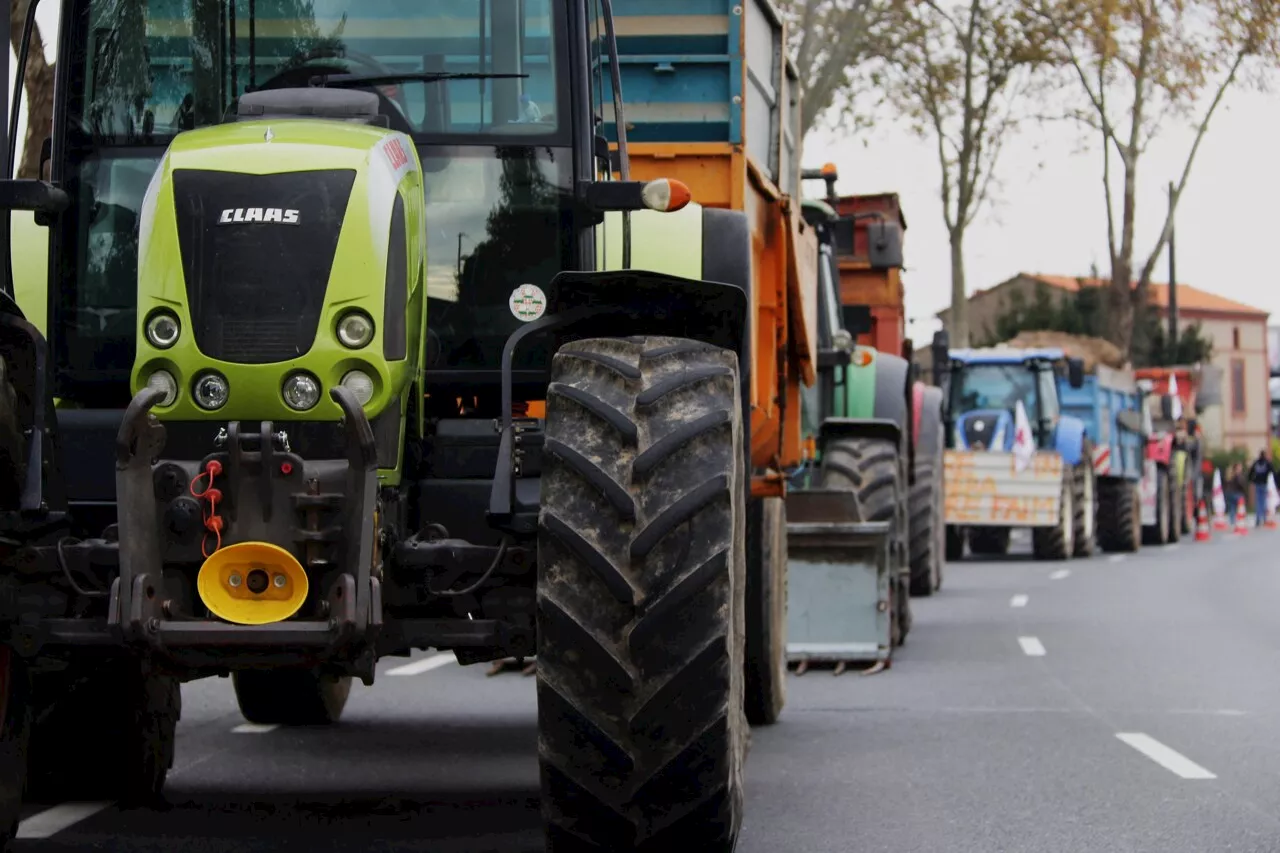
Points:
1049	215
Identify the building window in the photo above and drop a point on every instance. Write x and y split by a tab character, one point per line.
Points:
1235	338
1237	387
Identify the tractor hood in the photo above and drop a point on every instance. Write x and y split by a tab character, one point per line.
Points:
248	223
984	429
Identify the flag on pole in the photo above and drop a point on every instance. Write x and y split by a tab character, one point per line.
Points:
1023	446
1177	401
1219	502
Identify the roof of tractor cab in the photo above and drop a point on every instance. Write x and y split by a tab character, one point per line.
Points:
1005	355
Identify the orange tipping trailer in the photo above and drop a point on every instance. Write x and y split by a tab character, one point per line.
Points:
783	289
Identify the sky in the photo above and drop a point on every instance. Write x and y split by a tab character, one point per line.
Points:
1048	215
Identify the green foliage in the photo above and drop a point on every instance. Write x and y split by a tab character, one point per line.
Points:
1083	312
1222	458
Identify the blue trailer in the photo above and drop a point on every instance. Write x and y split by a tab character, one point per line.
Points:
1116	420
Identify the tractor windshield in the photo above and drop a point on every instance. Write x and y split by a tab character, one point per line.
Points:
994	386
480	85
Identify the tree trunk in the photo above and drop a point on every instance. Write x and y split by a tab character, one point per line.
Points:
1119	302
959	326
38	86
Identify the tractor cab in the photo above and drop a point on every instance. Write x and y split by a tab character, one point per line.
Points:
985	386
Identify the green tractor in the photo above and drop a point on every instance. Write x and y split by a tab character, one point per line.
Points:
347	356
860	411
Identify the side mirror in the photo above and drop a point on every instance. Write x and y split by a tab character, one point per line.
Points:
43	198
884	245
1075	372
663	194
856	319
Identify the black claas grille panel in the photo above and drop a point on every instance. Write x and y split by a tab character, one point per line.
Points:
256	289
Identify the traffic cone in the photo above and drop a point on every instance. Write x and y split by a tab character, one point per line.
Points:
1202	524
1219	503
1240	530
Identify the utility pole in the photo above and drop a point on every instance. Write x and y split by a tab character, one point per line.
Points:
1173	289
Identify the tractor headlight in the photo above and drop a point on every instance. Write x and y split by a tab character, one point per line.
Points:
355	329
301	391
360	384
163	380
211	391
163	330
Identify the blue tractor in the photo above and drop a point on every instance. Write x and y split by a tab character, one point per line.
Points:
986	493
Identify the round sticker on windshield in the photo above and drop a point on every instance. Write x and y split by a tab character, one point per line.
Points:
528	302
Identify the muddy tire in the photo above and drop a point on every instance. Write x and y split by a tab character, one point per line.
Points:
13	464
766	611
989	541
873	469
109	736
1085	505
1119	516
928	533
291	697
1058	542
641	574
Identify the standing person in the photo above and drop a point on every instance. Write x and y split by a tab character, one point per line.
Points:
1233	487
1260	474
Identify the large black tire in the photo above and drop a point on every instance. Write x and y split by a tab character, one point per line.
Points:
766	616
1085	504
15	733
989	541
110	736
1119	516
874	470
1058	542
955	537
291	697
1158	533
928	531
1176	503
641	569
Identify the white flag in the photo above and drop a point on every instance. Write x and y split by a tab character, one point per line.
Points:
1023	446
1219	500
1273	497
1173	392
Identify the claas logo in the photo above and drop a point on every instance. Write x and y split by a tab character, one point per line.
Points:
237	215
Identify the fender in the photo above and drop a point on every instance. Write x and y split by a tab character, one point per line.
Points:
1068	439
837	428
928	415
895	401
917	406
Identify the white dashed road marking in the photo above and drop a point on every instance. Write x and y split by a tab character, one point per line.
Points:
425	665
1018	601
1031	646
52	821
1115	558
254	728
1060	574
1167	758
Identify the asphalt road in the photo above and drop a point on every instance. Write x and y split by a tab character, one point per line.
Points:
1112	704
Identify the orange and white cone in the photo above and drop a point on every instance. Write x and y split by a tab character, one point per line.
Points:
1202	524
1219	503
1241	529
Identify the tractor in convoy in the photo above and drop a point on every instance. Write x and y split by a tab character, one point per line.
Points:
355	335
989	492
